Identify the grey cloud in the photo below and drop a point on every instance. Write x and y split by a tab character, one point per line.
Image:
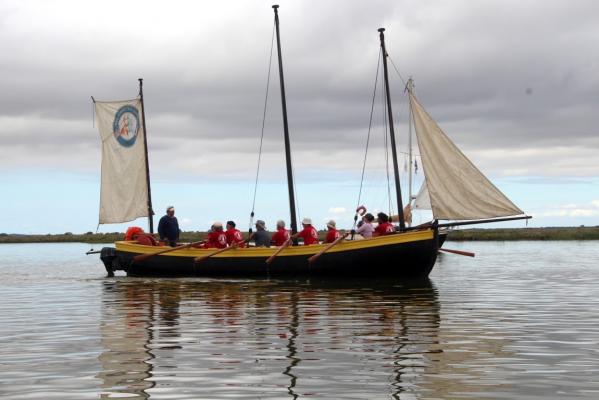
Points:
497	76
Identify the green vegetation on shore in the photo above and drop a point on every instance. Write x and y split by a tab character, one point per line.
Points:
565	233
502	234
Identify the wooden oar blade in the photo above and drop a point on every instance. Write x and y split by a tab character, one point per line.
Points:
270	259
198	260
460	252
142	257
316	256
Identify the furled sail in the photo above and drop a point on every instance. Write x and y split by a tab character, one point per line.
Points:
457	189
124	192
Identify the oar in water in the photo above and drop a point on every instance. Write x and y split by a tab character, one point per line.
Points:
337	241
202	258
282	247
460	252
141	257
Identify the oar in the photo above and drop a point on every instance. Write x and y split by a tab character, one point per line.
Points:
202	258
317	255
280	249
460	252
141	257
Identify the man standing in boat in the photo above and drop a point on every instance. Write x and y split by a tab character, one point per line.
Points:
168	227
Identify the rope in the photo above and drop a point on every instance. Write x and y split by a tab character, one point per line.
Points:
378	66
262	131
396	70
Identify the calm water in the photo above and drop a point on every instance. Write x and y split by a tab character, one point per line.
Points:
521	320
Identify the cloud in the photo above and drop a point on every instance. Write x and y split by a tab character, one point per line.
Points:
574	210
337	210
489	75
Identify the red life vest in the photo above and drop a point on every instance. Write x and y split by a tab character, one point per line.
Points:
133	231
216	239
385	228
280	237
234	236
309	234
332	235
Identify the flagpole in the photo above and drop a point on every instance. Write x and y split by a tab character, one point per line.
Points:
143	118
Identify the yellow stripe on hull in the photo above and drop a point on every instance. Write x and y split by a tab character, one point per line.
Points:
261	252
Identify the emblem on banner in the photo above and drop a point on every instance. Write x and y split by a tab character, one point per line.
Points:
126	125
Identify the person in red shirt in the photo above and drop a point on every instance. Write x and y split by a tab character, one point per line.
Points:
385	227
216	237
333	233
234	235
308	233
281	235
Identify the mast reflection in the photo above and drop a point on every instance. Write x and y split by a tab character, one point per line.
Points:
271	338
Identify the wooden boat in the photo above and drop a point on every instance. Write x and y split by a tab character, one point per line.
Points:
409	253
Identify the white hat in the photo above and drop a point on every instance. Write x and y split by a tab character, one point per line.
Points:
217	225
281	223
306	221
331	224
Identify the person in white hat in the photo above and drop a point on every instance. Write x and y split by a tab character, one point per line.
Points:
333	233
308	233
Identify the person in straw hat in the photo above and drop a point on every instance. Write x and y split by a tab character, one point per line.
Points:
333	233
308	233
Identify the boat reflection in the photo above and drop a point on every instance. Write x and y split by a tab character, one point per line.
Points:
307	338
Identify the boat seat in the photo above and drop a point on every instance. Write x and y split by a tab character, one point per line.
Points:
146	239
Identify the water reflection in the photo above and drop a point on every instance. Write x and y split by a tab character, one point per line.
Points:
268	338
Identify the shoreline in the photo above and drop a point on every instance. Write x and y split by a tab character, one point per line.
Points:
461	235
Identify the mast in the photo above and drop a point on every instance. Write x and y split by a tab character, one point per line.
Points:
410	86
293	221
143	118
402	224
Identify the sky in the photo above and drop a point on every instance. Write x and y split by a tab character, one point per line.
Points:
514	84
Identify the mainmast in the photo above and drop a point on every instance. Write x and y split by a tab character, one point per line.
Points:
402	224
410	85
143	119
293	221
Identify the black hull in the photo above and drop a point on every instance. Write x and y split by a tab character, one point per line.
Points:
413	259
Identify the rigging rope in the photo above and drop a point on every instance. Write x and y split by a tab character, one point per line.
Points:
396	70
367	142
272	40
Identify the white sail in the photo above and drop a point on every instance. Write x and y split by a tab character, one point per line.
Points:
457	189
124	192
422	200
